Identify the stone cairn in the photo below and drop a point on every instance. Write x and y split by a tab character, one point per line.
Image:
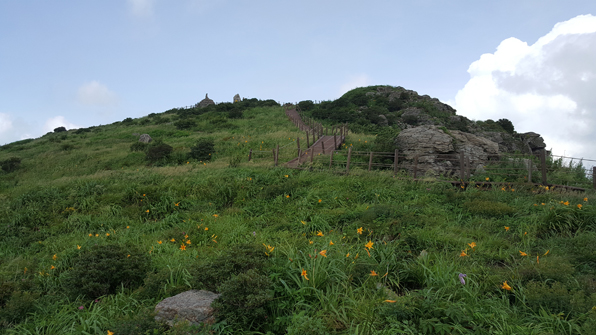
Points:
206	102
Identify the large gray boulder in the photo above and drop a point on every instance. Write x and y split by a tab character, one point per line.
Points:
236	98
145	138
193	306
438	150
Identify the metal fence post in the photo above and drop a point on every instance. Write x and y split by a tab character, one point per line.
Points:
543	166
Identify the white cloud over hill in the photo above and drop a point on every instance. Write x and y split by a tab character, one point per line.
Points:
548	87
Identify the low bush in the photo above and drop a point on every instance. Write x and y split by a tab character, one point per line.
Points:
59	129
17	308
185	124
302	324
203	150
142	323
104	269
139	146
236	260
243	301
158	152
11	164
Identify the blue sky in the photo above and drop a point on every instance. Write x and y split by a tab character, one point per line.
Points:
84	63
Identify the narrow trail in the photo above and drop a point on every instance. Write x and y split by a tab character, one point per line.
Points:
324	145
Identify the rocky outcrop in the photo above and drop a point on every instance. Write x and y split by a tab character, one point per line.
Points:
438	150
206	102
145	138
236	98
192	306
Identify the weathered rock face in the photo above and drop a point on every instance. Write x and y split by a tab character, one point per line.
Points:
534	141
206	102
193	306
236	98
438	151
384	121
145	138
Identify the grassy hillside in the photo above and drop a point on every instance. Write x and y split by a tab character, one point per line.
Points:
93	236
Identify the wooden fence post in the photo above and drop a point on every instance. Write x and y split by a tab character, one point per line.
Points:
312	153
249	155
415	166
276	155
349	157
299	155
395	163
461	166
307	141
331	159
543	166
274	160
334	140
370	161
323	145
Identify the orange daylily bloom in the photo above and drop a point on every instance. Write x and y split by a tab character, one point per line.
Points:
304	274
579	206
172	240
506	228
359	230
331	243
505	286
566	203
158	242
463	254
546	253
472	245
54	257
522	253
320	233
182	247
373	273
323	253
391	301
369	245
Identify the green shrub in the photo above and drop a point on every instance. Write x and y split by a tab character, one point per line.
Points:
139	146
142	323
203	150
306	105
144	121
104	269
488	208
185	124
235	113
11	164
158	152
59	129
159	120
238	259
67	147
17	308
506	125
128	121
302	324
234	161
243	300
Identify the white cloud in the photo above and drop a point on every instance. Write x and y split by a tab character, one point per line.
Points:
58	121
354	82
96	94
547	87
5	123
141	8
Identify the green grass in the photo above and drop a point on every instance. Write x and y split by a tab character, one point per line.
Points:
253	230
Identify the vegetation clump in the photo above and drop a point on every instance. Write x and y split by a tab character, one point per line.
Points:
105	269
202	150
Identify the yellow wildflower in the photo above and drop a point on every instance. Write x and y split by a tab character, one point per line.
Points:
369	245
359	230
320	233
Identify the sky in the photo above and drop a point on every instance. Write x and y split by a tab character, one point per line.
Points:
84	63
